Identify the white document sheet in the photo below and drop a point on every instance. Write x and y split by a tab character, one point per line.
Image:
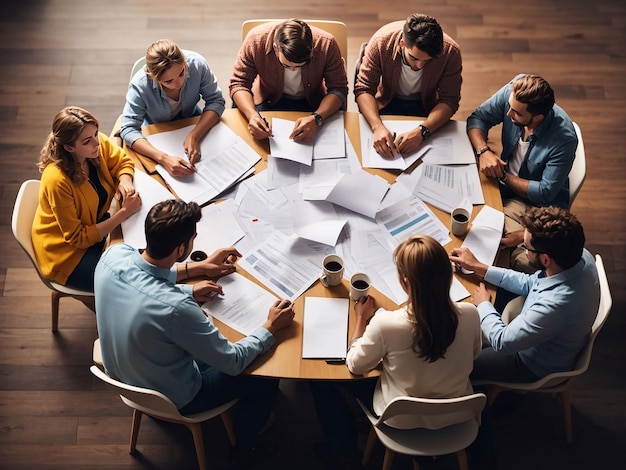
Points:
402	219
281	172
316	221
284	266
485	234
226	158
325	328
282	146
450	145
218	227
317	181
458	179
151	192
244	305
330	139
360	192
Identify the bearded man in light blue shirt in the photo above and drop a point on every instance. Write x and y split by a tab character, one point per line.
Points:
153	333
562	300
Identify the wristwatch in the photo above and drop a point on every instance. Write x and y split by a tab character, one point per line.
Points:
319	120
425	132
502	180
480	151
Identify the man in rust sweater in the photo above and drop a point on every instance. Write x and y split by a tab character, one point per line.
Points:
289	66
411	69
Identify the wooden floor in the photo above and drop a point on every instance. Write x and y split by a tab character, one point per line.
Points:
53	415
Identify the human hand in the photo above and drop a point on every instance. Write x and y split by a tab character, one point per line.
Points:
192	148
481	295
204	291
464	258
384	143
512	239
131	204
280	315
408	142
304	130
220	263
259	127
125	188
491	165
177	166
365	308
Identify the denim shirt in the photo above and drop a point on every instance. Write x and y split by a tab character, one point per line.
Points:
550	154
146	102
555	321
152	331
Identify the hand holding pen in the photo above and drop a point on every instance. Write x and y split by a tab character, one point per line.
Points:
259	127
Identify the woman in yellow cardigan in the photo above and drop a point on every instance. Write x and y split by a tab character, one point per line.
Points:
81	173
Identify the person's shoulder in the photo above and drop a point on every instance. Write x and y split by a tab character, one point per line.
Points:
466	309
450	43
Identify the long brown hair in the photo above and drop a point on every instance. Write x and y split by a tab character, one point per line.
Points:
426	274
66	128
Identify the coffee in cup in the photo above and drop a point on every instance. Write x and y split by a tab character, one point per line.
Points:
332	271
359	286
459	221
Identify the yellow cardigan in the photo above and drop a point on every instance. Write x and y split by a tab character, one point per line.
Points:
65	221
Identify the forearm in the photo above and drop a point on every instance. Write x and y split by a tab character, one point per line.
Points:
369	109
144	147
207	121
245	103
438	116
107	226
478	138
516	184
329	105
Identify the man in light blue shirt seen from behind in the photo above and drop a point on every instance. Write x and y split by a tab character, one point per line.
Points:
562	299
153	333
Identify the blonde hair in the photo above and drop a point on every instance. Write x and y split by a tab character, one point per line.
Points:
426	274
66	128
160	56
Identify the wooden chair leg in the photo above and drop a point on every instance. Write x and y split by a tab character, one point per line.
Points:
388	459
369	446
55	297
416	465
134	430
228	425
567	415
493	393
461	457
196	431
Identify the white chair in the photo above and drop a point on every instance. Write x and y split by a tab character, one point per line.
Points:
559	382
21	224
425	442
579	169
157	405
336	28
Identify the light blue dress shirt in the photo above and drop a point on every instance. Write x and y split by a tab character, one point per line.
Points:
555	321
152	331
146	102
550	154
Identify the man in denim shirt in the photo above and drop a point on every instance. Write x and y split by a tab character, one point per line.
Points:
561	304
538	147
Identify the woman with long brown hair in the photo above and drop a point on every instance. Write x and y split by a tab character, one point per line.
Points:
82	170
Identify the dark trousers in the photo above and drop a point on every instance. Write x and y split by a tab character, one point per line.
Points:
256	399
400	107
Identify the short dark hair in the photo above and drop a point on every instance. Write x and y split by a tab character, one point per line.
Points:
424	32
294	39
535	93
168	225
555	232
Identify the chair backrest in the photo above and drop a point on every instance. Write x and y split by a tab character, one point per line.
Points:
26	204
579	169
606	302
472	404
148	401
139	63
336	28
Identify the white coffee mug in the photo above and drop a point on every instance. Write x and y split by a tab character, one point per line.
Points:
459	221
359	286
332	271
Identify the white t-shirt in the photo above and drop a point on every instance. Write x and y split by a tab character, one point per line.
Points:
293	87
519	153
410	84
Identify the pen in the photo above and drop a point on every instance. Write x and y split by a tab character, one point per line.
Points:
267	126
335	361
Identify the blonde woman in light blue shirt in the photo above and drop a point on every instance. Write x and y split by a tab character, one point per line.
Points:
170	87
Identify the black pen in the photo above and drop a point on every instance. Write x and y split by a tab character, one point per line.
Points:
335	361
267	126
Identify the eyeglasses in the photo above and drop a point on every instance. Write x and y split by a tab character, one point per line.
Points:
524	246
